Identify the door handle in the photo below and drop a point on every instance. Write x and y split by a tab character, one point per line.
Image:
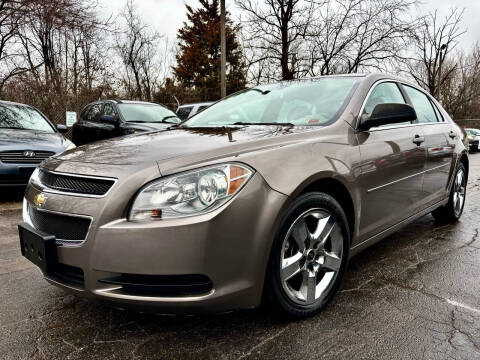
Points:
452	134
418	139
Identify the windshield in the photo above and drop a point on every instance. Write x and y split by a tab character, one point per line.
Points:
22	117
472	132
316	102
149	113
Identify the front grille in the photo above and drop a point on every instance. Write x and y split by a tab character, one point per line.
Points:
24	157
75	184
71	230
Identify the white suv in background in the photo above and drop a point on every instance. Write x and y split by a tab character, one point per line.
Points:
473	139
188	110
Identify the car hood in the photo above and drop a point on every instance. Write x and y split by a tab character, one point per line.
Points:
191	144
13	139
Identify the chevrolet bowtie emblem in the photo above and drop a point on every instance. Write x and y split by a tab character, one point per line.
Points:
40	200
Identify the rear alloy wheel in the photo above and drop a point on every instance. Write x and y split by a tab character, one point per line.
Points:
309	255
452	211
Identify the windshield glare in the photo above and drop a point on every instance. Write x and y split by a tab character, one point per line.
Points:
23	117
150	113
316	102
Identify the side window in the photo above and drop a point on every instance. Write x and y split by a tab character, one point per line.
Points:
94	112
422	105
184	112
83	115
437	112
109	109
384	93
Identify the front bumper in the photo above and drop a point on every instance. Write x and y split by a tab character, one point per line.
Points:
12	175
230	246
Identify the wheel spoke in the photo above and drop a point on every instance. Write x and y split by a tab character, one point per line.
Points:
331	262
300	234
290	266
324	228
308	287
459	179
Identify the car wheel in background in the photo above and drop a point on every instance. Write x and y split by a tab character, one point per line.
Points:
309	255
452	211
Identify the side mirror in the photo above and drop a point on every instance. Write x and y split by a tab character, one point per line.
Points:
384	114
109	119
62	128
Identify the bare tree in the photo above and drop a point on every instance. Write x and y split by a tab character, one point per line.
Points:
138	47
350	35
319	37
436	39
461	90
12	14
275	29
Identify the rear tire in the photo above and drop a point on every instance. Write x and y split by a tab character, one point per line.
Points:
309	256
452	211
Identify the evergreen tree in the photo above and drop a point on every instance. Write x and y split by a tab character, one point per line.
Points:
198	60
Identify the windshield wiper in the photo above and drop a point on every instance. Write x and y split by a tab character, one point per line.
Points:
263	123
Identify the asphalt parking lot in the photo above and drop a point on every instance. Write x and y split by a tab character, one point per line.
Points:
416	295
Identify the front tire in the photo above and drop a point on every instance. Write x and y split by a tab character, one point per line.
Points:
452	211
309	255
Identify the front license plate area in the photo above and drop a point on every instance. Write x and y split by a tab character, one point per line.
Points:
38	247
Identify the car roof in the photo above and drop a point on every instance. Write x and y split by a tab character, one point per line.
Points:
121	101
196	104
5	102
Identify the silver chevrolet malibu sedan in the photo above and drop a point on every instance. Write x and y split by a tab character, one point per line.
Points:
264	195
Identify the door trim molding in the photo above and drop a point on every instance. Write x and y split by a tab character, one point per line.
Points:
406	177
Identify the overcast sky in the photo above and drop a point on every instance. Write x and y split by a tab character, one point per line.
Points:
167	15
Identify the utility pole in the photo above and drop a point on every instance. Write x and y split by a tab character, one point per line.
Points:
223	51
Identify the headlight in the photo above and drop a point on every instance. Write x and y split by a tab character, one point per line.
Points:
190	193
70	146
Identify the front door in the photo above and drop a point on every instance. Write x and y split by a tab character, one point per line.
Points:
392	165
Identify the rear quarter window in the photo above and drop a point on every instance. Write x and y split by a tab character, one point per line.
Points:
183	112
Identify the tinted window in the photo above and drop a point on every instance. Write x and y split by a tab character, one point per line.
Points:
384	93
421	103
109	109
84	112
22	117
301	102
147	113
183	112
94	112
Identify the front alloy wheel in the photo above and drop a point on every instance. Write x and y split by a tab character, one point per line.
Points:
309	255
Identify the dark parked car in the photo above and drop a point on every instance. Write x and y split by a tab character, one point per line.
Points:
111	118
26	139
267	192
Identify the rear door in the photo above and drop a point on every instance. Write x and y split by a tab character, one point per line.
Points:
438	142
392	164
